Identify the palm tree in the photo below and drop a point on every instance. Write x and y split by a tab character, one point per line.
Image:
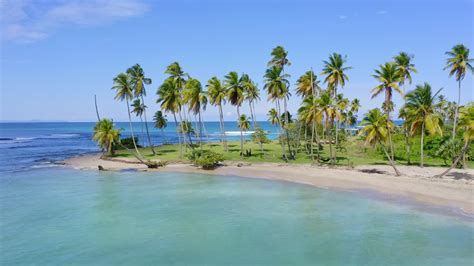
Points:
279	58
277	87
389	78
217	96
336	76
106	136
273	116
310	113
251	94
308	84
177	74
161	122
138	80
420	105
458	63
170	100
235	95
326	106
196	98
466	121
244	125
405	68
138	108
375	128
124	91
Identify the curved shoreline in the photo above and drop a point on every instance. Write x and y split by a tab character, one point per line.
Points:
454	192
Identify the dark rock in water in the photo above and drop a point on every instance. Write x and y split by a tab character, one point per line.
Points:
101	168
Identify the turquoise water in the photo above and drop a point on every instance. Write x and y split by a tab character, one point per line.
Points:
62	216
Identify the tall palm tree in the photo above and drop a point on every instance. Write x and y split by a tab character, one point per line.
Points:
420	105
124	91
138	80
235	95
244	125
405	67
217	96
279	58
466	121
327	107
170	99
458	63
106	136
335	72
375	128
308	84
310	113
336	76
161	122
277	87
273	116
251	94
196	99
389	78
138	108
177	74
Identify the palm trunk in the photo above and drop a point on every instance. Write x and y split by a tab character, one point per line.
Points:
221	118
241	134
179	136
286	129
254	120
281	129
200	129
131	129
251	114
407	146
456	161
421	142
163	136
312	140
457	109
142	130
183	132
390	136
96	108
146	126
390	160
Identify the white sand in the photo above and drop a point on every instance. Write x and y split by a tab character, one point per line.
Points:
454	191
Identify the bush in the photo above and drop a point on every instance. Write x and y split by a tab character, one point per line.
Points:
206	159
128	142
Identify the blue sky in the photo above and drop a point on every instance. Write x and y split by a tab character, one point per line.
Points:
55	54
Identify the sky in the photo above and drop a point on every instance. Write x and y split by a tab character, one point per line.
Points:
57	54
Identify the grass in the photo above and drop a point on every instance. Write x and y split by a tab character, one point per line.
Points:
355	153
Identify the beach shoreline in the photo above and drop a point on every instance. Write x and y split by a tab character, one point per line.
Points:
455	191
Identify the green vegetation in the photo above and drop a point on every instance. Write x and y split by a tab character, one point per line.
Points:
319	132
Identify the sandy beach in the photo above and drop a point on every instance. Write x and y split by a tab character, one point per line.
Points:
455	190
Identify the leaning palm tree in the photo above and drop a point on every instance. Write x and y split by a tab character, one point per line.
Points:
420	107
138	80
217	96
277	87
106	136
170	100
196	99
466	122
458	63
244	125
124	91
405	67
389	78
375	128
161	123
138	108
235	95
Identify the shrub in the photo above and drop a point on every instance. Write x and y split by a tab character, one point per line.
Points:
128	142
206	159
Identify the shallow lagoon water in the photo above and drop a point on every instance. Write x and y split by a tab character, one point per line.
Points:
64	216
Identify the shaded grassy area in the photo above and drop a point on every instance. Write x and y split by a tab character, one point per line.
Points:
355	152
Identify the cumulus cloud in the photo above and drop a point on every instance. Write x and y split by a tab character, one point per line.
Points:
381	12
342	17
32	20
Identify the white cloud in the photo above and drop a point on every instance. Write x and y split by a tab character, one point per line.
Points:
381	12
342	17
32	20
